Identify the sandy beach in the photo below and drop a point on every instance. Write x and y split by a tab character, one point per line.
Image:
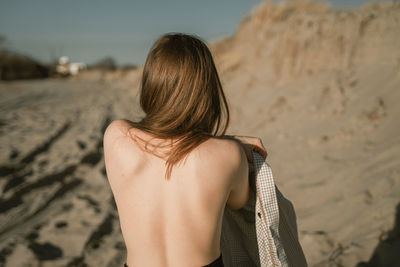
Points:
321	87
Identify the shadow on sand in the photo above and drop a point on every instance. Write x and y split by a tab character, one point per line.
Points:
387	252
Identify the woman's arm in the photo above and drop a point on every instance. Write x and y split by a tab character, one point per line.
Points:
241	152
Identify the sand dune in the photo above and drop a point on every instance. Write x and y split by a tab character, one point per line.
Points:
321	88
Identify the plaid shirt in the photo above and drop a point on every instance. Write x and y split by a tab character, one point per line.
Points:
264	232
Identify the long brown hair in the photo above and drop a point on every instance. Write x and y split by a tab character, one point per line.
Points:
181	95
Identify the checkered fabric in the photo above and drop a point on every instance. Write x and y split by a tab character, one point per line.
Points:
264	232
268	212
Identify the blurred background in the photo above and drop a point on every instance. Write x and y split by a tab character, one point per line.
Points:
318	81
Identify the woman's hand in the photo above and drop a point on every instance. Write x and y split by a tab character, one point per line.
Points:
251	144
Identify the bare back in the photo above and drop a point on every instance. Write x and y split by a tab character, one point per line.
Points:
174	222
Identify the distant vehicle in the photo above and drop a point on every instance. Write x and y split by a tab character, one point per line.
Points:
64	68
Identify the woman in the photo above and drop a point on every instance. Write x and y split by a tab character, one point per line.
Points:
173	172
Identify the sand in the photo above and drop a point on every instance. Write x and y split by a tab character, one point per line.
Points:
320	87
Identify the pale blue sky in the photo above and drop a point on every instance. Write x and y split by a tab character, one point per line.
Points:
87	30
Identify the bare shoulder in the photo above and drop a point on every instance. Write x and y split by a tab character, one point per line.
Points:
224	152
119	155
117	128
225	162
117	143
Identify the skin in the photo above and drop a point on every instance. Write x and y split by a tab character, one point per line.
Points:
176	222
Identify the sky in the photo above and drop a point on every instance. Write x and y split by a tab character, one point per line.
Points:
89	30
